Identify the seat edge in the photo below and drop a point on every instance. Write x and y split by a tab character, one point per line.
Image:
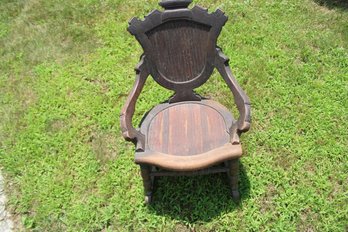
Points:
189	163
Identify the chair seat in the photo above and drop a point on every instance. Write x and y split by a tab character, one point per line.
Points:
187	136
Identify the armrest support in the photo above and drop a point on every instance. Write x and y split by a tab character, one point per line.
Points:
127	112
241	99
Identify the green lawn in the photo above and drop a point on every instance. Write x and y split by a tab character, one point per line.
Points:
66	68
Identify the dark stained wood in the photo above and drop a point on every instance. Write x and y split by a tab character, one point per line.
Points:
188	135
192	173
145	171
179	44
241	99
204	105
189	163
191	129
127	112
183	44
173	4
233	174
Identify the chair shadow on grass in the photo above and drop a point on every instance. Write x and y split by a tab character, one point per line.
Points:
332	4
197	198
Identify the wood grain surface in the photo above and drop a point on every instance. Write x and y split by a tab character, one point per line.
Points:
187	129
180	49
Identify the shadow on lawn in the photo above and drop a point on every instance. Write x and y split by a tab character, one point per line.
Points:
198	198
331	4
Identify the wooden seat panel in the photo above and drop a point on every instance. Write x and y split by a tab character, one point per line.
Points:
187	129
187	136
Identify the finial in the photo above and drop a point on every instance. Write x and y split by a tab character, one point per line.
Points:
174	4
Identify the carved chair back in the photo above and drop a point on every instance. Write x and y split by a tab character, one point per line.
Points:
179	45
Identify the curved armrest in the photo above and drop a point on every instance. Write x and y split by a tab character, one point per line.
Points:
241	99
127	112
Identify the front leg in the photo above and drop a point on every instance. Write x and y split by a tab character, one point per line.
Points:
147	182
233	175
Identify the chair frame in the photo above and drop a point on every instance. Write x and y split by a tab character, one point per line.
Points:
176	10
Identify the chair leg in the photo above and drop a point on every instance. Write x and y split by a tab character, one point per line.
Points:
233	175
147	181
154	180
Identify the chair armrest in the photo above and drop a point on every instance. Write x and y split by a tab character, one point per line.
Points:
127	112
241	99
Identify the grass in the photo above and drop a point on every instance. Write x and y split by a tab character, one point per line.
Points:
66	68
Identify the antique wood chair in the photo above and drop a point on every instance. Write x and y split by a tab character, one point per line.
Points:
188	134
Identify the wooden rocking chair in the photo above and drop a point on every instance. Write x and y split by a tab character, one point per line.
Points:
187	135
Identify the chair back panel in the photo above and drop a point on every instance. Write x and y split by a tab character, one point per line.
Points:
179	45
180	49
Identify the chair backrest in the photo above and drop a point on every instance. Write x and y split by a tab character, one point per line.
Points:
179	44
